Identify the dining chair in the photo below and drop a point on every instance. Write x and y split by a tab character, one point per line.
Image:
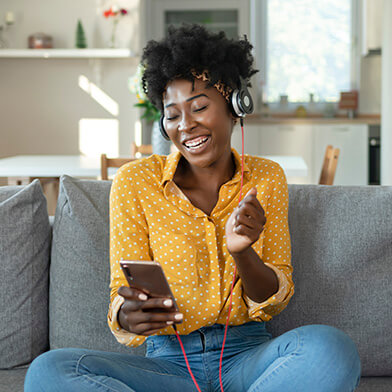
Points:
111	162
144	149
330	163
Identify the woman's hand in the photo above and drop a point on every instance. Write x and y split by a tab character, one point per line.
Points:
245	224
135	314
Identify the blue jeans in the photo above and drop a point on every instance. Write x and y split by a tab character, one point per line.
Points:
306	359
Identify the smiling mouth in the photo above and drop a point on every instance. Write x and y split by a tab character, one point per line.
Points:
196	143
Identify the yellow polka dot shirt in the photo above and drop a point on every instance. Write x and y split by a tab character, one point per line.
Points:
152	219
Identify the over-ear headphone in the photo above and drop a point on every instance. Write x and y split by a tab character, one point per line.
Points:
240	104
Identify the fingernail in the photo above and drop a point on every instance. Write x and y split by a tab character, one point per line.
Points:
168	302
169	322
143	297
178	316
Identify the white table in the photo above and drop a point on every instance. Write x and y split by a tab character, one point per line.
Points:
293	166
38	166
23	168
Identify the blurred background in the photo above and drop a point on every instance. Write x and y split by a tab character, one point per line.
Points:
69	70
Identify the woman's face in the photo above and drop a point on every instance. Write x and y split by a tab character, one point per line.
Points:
198	121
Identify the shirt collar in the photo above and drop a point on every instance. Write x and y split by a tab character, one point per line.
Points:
173	159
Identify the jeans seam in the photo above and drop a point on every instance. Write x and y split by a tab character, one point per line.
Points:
207	371
299	346
134	367
91	379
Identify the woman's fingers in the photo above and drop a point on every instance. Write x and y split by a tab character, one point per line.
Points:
152	317
140	317
149	329
144	323
251	198
251	210
248	221
244	230
132	293
248	215
164	303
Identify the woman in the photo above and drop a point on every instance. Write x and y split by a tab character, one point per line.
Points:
182	211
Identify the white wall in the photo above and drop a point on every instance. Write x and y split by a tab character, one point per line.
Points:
58	18
370	85
40	101
386	120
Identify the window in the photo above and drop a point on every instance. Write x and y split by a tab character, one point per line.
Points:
307	49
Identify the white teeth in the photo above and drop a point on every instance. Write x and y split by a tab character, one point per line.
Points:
195	142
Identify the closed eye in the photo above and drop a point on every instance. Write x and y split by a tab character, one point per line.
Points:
197	110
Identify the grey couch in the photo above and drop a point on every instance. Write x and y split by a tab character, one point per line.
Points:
55	275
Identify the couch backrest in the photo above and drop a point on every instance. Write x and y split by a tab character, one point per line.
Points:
79	271
341	253
342	258
25	237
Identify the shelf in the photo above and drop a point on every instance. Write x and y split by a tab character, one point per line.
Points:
66	53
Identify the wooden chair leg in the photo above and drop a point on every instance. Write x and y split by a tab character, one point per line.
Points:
50	187
324	169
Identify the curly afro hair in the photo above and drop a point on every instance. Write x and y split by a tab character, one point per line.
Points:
191	47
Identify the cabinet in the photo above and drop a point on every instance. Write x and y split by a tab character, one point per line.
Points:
352	140
278	140
372	16
288	139
251	139
231	16
310	142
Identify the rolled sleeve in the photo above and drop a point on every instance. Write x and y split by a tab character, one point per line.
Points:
256	309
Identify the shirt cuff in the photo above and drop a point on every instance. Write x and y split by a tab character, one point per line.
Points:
122	335
254	308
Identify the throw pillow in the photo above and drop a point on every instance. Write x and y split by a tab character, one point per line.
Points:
25	236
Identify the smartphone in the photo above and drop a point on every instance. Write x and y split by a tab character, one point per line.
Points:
148	276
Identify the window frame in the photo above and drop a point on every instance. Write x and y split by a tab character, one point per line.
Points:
258	36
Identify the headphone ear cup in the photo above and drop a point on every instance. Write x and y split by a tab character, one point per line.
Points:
246	101
162	128
241	100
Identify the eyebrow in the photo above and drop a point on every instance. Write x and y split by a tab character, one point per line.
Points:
188	100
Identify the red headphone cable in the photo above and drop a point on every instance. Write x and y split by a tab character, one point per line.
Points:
231	290
186	359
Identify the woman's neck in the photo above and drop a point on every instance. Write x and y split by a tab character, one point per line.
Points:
211	177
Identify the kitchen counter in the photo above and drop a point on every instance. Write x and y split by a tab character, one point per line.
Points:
372	119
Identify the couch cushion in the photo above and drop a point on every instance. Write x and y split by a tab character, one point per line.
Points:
25	236
80	268
342	258
375	384
12	380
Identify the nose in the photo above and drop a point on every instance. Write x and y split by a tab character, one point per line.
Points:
187	122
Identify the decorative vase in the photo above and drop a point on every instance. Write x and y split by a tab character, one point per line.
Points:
112	42
160	145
